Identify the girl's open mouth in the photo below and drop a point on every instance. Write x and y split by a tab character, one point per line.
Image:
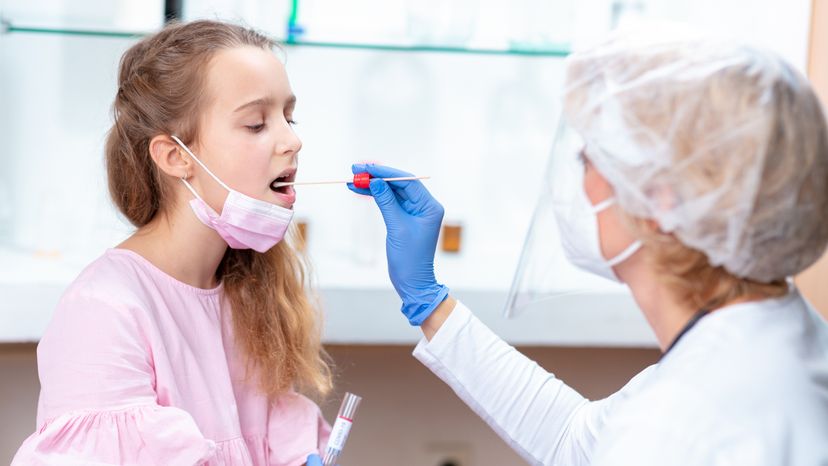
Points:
288	176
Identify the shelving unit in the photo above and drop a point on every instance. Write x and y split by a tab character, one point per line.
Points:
31	286
10	28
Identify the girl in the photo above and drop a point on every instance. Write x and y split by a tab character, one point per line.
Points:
173	348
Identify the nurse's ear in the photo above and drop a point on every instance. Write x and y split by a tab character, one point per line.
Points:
169	157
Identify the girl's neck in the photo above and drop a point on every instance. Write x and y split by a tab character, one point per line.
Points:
180	245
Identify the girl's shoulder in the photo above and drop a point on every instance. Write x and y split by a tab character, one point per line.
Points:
116	276
118	284
123	288
124	276
104	307
113	286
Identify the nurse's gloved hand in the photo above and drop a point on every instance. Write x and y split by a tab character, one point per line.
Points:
314	460
412	219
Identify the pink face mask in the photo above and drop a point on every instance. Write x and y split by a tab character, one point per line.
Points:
245	222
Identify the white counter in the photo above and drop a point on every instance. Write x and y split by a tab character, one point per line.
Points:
30	286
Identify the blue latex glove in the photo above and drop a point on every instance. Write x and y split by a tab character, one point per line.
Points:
314	460
412	220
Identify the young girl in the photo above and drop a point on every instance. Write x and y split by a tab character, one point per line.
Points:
185	344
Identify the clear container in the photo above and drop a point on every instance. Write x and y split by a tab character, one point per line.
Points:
341	428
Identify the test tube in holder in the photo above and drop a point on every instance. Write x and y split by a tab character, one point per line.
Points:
341	428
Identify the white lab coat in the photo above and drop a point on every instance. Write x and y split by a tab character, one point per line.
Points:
748	385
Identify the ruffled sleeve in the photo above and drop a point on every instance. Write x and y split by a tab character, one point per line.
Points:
141	435
98	403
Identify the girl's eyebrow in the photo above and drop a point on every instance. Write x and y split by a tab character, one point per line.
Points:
265	102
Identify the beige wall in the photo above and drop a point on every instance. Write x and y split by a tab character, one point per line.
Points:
18	396
406	409
818	53
813	281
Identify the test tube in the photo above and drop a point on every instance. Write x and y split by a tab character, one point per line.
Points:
341	428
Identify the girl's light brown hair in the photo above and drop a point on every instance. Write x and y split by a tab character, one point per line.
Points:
160	91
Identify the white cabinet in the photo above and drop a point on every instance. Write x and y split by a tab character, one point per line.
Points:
480	124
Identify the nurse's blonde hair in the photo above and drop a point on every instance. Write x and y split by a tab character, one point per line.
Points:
160	90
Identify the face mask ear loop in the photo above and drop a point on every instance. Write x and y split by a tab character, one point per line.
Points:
631	249
190	187
187	149
603	205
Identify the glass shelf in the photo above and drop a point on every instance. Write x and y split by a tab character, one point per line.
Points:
8	28
431	26
432	48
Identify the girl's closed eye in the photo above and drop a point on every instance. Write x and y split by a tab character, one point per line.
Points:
256	128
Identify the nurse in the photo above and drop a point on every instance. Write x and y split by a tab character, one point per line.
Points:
704	188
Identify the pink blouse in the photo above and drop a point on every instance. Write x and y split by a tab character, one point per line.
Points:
138	368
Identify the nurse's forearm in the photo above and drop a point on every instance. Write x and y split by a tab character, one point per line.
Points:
433	323
544	420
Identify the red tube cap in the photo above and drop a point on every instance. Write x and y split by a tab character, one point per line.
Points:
362	180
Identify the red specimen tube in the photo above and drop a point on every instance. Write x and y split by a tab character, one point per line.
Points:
362	180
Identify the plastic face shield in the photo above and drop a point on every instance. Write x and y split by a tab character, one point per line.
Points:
544	275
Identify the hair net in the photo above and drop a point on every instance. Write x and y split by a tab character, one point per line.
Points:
722	144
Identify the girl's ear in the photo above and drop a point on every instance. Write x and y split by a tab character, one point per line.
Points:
169	157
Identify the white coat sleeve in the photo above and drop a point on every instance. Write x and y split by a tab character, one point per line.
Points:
541	418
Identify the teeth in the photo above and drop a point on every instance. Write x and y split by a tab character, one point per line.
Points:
281	181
